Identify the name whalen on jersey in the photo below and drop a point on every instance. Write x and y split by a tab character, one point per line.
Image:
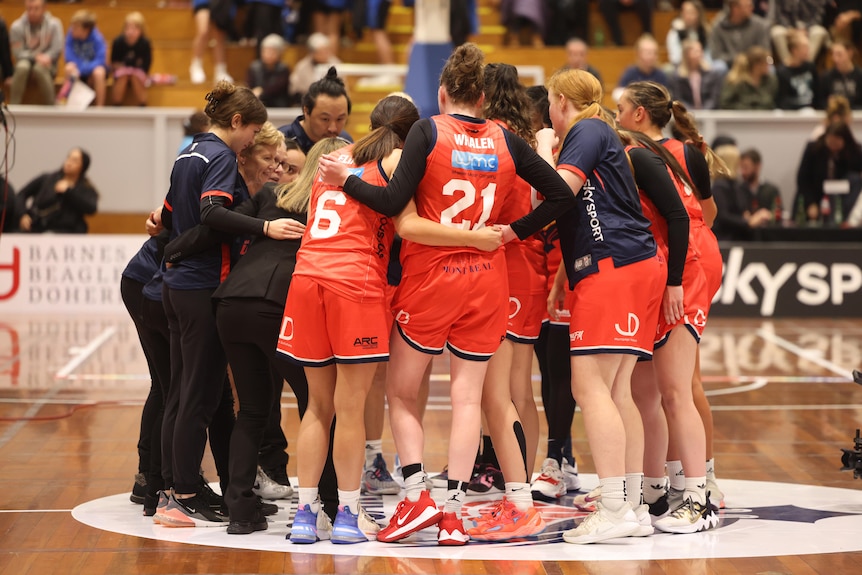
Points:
469	142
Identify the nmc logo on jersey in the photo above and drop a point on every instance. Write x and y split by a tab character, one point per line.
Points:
475	162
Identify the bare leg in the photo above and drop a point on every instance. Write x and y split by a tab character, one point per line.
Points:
502	417
648	400
521	388
313	436
348	448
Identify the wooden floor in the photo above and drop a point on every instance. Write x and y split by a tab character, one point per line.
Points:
69	416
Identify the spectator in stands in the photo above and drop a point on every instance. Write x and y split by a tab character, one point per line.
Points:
695	83
733	222
844	20
833	156
87	54
802	15
837	110
262	18
524	21
268	77
749	85
8	207
570	19
325	109
197	123
576	57
798	84
58	201
736	30
764	198
645	68
844	78
6	69
327	17
210	25
131	57
691	24
305	73
37	44
372	14
610	10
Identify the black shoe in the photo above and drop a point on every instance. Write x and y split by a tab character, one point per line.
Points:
660	507
139	489
258	523
150	504
266	509
212	498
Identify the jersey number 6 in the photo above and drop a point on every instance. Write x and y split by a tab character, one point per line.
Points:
328	215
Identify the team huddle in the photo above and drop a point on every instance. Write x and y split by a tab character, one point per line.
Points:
585	239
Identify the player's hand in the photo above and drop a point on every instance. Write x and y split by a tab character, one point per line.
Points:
556	301
547	138
672	307
285	229
487	238
332	171
25	223
154	223
508	234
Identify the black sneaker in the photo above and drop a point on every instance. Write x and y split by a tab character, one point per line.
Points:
150	504
660	507
139	489
266	509
213	499
258	523
191	512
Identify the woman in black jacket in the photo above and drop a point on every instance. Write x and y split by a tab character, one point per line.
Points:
60	199
833	156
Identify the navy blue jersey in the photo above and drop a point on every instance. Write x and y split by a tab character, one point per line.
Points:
144	263
294	131
206	168
608	221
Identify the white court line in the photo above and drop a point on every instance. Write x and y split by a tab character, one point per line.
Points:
759	382
85	352
806	354
801	407
35	510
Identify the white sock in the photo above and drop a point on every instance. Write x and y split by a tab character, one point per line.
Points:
710	468
520	495
634	488
349	499
695	487
613	492
676	474
455	499
654	488
196	63
414	485
308	496
372	448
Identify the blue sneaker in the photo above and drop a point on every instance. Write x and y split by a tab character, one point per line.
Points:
346	529
309	527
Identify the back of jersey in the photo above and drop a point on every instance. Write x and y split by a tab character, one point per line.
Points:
468	175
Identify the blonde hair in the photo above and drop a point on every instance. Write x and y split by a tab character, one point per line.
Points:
295	196
137	19
744	63
730	155
268	136
583	91
83	18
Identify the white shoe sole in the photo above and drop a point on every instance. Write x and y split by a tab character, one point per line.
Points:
618	531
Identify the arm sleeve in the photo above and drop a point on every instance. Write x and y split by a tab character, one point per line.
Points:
217	194
146	55
698	169
392	199
653	178
30	190
69	53
806	180
539	174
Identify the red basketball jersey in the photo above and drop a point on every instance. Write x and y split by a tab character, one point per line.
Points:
469	176
346	244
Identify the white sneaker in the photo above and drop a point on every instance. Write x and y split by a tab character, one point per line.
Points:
604	524
196	72
550	484
221	74
644	520
689	517
570	473
266	488
715	494
367	524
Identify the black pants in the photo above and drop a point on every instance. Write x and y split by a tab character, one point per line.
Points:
610	10
202	399
152	333
552	353
262	20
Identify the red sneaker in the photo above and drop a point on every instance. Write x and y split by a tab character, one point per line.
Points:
507	522
410	517
452	530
